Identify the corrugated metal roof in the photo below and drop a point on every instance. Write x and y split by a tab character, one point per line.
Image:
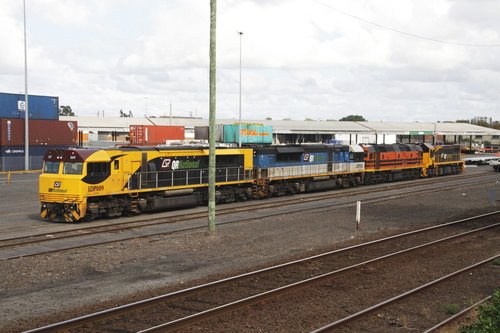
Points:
291	126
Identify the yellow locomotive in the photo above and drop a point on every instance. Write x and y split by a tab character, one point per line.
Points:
440	160
81	184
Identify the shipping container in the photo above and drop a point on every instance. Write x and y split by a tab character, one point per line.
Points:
39	107
12	158
154	135
41	132
249	133
201	132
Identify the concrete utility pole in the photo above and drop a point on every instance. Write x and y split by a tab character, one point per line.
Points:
211	120
26	110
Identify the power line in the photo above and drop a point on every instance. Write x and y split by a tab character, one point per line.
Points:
403	32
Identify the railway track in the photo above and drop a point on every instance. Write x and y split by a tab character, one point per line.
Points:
264	292
249	206
457	318
360	319
103	234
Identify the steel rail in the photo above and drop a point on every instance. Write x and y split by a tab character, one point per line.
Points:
228	211
456	316
391	300
310	197
179	323
188	320
79	233
23	240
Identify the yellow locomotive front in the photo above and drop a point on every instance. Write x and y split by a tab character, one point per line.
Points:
61	190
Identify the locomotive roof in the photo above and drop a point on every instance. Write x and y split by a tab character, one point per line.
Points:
102	155
71	155
164	148
290	149
396	147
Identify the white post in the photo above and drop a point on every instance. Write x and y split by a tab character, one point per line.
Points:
358	214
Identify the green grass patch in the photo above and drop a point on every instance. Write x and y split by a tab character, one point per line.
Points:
451	308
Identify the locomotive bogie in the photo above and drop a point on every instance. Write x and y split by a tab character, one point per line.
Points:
62	212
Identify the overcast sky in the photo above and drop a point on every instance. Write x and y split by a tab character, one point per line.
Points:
301	59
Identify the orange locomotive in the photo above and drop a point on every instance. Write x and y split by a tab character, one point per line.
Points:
393	162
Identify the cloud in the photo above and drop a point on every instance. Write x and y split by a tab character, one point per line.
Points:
298	60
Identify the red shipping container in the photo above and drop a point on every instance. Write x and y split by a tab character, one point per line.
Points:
41	132
154	135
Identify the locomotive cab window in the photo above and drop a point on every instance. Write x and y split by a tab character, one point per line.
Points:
357	157
97	168
73	168
51	167
290	157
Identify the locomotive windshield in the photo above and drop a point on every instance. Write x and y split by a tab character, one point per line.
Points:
51	167
73	168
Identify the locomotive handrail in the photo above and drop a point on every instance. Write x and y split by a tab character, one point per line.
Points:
173	178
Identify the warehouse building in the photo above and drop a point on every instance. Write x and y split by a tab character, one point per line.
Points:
106	131
49	131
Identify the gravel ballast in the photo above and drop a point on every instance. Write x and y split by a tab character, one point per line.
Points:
41	289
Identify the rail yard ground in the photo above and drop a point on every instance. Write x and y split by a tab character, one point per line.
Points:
41	289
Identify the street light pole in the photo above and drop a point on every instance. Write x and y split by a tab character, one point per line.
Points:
26	110
239	118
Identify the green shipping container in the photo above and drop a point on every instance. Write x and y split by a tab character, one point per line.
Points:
250	133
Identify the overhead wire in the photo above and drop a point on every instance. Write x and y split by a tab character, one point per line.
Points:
403	32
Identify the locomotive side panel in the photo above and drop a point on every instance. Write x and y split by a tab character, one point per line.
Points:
393	162
292	169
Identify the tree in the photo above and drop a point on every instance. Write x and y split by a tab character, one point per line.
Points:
126	115
353	117
65	110
494	124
